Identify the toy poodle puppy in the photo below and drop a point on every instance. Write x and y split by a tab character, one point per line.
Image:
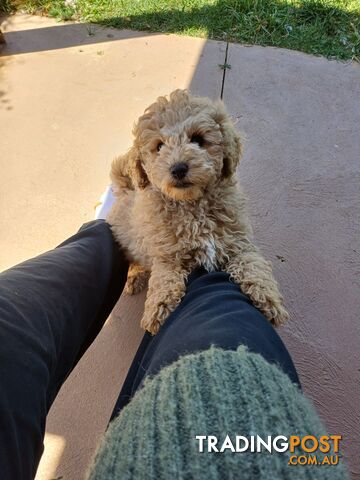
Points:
179	206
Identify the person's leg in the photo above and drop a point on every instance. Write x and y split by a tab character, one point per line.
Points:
213	312
51	309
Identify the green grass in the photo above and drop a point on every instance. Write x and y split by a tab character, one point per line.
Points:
321	27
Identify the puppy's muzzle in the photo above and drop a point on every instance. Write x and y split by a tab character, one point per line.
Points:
179	170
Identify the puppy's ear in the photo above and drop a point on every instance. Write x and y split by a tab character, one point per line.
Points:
231	142
232	150
127	170
136	170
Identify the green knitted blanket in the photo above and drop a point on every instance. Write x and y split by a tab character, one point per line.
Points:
220	397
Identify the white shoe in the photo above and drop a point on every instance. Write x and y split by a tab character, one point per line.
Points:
102	208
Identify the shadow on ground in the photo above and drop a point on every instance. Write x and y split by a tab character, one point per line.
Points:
62	36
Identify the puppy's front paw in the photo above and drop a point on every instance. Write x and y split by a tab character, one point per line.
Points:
166	289
268	300
155	317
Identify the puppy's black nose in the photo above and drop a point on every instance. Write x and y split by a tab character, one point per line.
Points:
179	170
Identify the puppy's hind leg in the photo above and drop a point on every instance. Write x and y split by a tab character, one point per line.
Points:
254	275
136	279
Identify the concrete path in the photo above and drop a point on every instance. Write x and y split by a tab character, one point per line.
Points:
69	94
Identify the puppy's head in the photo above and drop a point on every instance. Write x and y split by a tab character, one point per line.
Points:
183	146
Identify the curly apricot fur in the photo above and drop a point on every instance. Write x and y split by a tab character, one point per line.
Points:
170	228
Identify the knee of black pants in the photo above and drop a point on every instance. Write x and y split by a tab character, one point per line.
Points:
214	312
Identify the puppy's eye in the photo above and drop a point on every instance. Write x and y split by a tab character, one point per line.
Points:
197	139
159	145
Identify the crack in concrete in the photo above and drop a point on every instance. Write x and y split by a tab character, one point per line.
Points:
224	70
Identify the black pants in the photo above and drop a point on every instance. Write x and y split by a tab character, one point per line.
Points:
53	306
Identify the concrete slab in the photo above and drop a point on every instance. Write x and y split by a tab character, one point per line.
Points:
301	170
66	112
69	96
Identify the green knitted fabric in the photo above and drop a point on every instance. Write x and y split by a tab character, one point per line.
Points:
214	392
